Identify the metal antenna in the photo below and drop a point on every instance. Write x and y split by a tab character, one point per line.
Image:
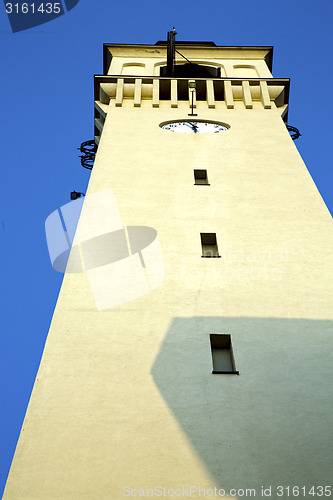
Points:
171	52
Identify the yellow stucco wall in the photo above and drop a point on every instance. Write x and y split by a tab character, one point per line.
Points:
125	396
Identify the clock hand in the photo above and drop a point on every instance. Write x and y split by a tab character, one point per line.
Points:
194	127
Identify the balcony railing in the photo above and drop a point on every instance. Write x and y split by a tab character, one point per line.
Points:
209	90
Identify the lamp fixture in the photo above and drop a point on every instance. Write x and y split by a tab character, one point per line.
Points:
192	88
75	195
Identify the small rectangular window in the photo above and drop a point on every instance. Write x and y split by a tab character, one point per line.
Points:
209	245
200	177
222	355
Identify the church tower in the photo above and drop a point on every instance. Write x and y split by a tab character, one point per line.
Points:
190	351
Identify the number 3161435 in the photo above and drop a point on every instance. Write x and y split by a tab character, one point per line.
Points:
32	8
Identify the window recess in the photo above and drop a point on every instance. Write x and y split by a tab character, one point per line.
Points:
200	177
222	354
209	245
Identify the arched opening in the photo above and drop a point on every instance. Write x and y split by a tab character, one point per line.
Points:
192	70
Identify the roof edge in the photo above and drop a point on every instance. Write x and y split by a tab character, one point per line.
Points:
107	56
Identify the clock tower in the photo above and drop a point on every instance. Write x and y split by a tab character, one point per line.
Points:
190	351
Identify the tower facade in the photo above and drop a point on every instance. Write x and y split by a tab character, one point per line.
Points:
197	358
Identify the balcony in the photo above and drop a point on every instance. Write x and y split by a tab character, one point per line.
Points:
270	92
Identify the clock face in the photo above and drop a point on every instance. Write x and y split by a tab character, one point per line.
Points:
194	127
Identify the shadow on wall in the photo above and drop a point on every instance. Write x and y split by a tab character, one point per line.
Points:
270	425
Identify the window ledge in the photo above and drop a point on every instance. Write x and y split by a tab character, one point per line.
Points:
227	373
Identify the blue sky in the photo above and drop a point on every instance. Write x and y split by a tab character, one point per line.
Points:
47	111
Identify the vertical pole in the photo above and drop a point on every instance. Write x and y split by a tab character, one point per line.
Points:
171	51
